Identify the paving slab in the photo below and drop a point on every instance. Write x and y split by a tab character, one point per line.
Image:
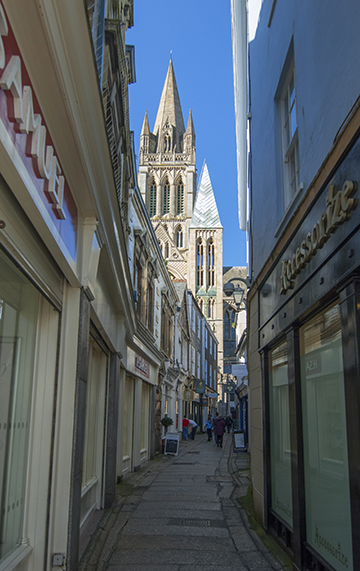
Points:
181	513
174	557
160	542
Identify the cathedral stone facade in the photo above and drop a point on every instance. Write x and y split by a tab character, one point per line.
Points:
185	216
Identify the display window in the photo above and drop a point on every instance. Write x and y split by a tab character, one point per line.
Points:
94	431
280	449
145	409
21	358
327	495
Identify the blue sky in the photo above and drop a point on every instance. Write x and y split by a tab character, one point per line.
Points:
198	32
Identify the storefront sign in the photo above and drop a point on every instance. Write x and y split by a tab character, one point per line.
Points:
188	395
200	386
24	122
339	203
142	366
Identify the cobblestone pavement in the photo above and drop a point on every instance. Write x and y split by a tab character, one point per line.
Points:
180	512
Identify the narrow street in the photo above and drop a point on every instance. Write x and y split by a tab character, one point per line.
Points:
181	512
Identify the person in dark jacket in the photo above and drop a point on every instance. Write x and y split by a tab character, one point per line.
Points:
229	423
219	429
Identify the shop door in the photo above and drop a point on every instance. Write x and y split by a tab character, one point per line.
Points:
92	476
128	421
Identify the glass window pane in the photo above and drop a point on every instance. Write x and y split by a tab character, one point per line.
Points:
287	135
293	120
325	440
19	302
281	484
292	91
286	106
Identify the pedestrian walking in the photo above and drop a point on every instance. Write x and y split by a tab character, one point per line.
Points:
208	426
185	424
220	425
229	423
193	427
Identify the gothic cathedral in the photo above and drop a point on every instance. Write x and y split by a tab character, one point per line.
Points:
184	216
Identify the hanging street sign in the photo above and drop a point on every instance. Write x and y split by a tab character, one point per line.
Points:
200	386
188	395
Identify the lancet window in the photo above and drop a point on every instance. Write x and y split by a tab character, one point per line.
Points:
180	198
179	237
211	264
200	264
166	198
152	199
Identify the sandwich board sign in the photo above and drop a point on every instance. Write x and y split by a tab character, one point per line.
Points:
172	443
239	440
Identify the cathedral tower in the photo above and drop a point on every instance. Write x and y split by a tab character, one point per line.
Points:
205	261
185	219
167	176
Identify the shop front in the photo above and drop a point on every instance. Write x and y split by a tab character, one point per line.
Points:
61	318
137	403
309	313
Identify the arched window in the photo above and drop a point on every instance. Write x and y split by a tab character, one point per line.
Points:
180	198
211	263
152	199
179	238
201	304
161	247
166	250
200	265
166	198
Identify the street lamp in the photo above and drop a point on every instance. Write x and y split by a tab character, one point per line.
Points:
237	292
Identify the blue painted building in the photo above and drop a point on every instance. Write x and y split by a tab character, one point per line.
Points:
304	265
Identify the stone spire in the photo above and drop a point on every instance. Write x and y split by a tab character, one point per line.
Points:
145	128
205	213
169	111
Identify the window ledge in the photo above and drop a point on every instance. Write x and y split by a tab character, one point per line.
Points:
290	211
15	558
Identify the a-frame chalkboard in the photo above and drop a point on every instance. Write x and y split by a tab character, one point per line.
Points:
171	444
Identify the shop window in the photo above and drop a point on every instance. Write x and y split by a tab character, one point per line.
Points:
280	454
327	495
94	429
128	418
20	307
144	417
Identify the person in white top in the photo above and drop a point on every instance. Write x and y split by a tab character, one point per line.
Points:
193	427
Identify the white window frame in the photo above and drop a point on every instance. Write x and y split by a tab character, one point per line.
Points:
290	149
